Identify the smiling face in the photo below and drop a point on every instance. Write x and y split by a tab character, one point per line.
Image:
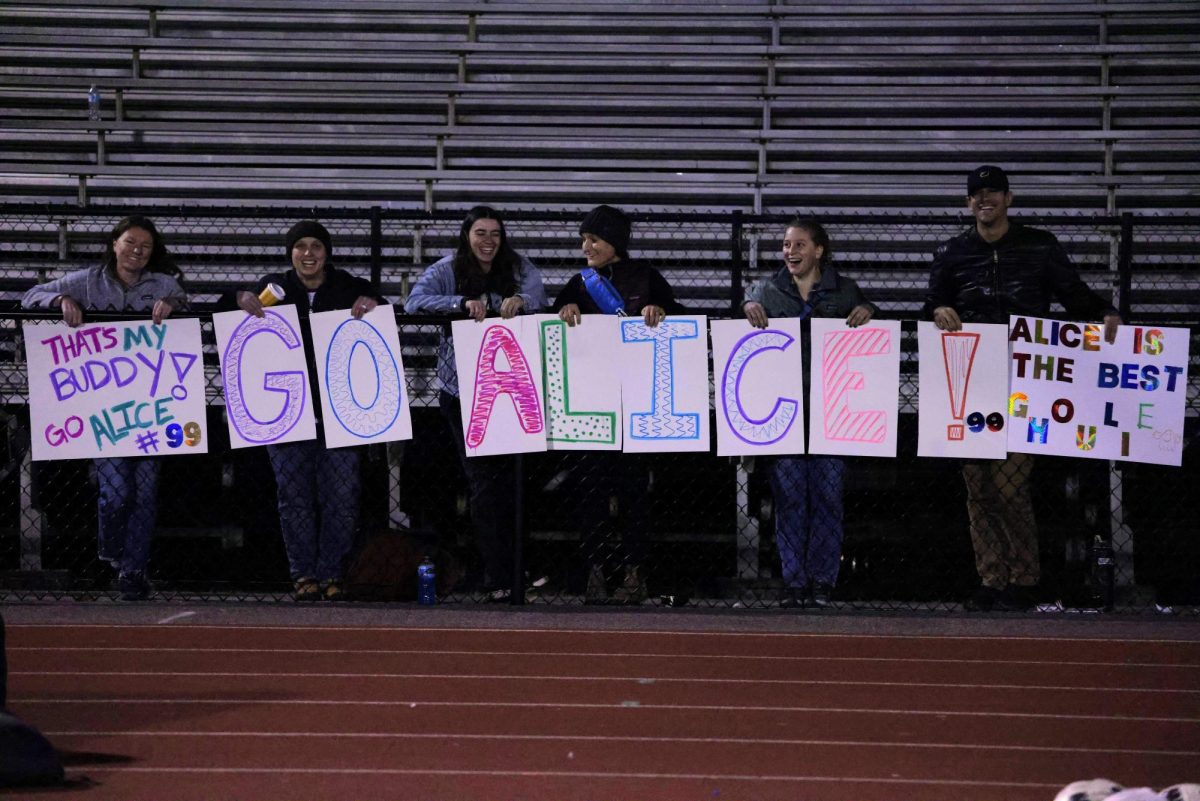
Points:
990	208
132	250
308	257
598	252
485	237
801	255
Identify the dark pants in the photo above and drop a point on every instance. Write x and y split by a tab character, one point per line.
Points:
605	477
127	507
318	506
1003	529
808	518
491	482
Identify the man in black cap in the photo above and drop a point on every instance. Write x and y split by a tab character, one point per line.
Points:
997	268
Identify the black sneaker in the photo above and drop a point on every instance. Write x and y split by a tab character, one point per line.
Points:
1016	598
795	598
984	600
133	586
820	595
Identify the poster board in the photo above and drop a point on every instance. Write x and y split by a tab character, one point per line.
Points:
582	387
360	373
664	384
962	406
1073	394
115	389
500	385
265	377
758	376
854	405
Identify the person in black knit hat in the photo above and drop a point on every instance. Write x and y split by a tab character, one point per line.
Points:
612	283
318	487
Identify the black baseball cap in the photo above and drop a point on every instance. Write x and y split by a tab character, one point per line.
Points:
987	177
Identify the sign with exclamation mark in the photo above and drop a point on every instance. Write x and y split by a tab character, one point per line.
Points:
963	385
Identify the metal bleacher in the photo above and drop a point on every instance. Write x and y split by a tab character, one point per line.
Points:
759	106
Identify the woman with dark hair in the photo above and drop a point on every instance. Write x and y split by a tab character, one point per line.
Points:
484	275
807	488
317	487
613	283
137	274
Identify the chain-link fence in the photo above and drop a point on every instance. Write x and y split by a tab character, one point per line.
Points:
592	527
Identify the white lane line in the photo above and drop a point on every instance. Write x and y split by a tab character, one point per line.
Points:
341	652
570	774
242	702
603	738
336	628
496	677
173	618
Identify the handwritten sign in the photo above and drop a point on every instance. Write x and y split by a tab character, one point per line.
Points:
582	387
116	389
855	387
664	384
963	391
361	376
265	376
500	385
1073	394
759	378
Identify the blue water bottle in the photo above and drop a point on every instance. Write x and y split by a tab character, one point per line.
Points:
426	583
93	103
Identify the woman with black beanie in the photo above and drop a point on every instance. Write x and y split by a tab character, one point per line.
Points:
612	283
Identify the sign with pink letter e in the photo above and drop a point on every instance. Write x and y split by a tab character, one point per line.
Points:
855	388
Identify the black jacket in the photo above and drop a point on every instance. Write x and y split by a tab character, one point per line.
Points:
1020	273
639	285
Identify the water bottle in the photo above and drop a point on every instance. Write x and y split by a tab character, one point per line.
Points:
94	103
1101	569
426	583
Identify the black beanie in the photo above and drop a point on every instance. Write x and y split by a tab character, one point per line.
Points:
611	225
309	228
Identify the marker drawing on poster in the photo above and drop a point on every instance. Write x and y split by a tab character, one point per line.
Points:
582	388
500	385
759	386
115	389
265	377
664	384
361	377
854	406
962	408
1073	394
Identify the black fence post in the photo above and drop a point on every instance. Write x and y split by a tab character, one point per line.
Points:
738	265
376	246
1125	265
518	569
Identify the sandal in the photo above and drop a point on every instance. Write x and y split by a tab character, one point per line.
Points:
306	589
333	592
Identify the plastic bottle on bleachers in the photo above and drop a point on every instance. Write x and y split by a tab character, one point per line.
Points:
94	103
426	583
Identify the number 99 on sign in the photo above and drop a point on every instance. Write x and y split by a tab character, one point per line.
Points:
187	434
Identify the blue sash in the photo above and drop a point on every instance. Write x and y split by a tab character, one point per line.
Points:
602	292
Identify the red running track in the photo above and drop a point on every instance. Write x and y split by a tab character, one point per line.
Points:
330	712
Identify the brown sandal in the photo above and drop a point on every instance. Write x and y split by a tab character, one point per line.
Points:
334	592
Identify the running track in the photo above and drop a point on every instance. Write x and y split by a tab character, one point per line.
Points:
208	703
